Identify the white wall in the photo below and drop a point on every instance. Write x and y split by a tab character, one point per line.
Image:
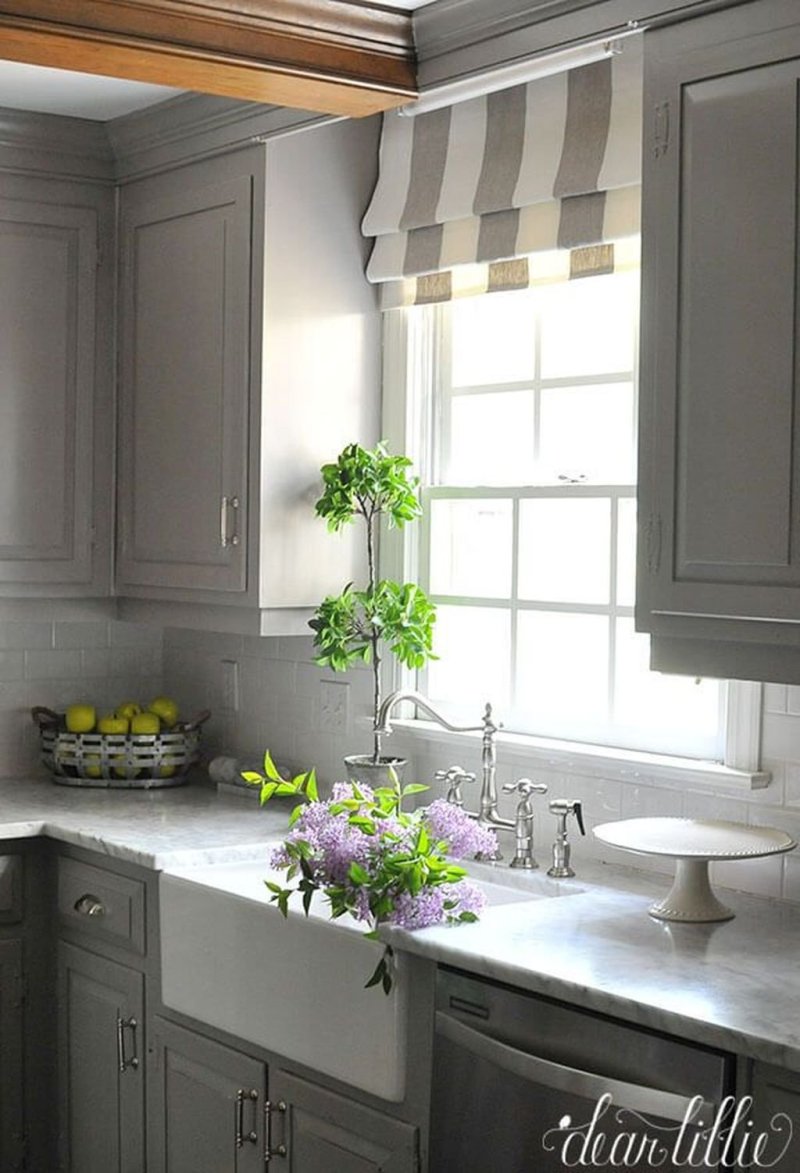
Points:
286	705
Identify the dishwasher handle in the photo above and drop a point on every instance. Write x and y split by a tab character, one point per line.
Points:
633	1096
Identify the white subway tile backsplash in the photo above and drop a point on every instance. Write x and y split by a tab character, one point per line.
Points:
81	635
12	665
25	634
793	700
54	664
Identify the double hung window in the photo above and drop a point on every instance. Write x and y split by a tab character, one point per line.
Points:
525	403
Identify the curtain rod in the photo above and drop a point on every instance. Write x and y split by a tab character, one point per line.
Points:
519	72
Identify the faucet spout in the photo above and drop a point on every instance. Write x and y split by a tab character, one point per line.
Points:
487	814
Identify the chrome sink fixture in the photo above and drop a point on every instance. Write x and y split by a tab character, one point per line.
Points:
487	814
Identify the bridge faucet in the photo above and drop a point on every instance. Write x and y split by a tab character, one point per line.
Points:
487	815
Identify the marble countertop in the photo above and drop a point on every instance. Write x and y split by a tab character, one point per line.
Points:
173	826
731	985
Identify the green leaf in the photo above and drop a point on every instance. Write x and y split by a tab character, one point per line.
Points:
251	777
414	788
358	874
377	975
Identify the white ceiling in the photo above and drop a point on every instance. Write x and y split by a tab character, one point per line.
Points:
77	95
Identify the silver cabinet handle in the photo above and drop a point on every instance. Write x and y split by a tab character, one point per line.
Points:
270	1150
226	539
123	1061
633	1096
241	1135
89	905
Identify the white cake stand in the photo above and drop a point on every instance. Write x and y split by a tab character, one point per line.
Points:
693	843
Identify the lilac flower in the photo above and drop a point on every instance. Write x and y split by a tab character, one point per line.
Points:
463	835
433	906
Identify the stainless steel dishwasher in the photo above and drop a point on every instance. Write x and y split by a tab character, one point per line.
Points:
523	1084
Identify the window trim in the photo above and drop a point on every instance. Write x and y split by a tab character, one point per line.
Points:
407	427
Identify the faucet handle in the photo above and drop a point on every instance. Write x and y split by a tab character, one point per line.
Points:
562	807
454	776
525	786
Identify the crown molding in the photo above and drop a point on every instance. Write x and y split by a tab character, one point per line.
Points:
194	126
62	148
458	37
330	56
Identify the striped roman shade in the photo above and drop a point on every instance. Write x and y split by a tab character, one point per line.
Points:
554	163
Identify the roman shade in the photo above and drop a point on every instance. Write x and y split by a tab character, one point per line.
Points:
554	163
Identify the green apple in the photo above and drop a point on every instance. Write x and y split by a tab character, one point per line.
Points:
128	710
80	718
112	724
92	767
145	723
165	708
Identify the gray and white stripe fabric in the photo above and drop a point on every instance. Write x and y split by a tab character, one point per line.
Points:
554	163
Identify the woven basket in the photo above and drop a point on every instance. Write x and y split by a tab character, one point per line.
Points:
134	761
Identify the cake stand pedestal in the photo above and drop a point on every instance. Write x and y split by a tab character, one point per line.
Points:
693	844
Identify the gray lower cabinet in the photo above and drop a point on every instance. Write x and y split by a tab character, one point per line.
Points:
314	1130
12	1117
719	531
101	1073
206	1105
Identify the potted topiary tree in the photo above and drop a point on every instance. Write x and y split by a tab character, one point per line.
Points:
360	624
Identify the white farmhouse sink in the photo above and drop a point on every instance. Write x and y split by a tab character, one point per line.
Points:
295	985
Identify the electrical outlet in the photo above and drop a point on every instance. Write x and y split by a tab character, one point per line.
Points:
334	704
230	686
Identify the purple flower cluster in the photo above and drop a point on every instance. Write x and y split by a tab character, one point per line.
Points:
334	844
435	906
463	835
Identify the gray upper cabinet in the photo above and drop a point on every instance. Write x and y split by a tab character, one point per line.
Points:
250	356
719	536
55	441
184	386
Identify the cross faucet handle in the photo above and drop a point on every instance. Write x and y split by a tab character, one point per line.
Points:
454	776
525	786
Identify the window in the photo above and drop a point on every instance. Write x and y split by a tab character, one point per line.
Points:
527	410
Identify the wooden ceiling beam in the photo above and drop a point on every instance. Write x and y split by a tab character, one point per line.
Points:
330	56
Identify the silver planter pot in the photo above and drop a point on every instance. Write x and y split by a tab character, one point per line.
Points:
362	769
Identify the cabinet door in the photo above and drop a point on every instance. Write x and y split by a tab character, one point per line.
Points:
206	1105
101	1080
12	1130
720	400
776	1117
313	1130
47	373
185	344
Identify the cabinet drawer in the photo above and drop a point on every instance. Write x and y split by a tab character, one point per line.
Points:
102	905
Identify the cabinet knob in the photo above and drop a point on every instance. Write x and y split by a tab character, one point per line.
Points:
89	905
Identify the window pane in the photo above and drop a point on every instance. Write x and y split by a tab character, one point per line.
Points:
588	326
626	552
562	670
564	550
491	439
493	339
672	711
476	647
470	548
588	432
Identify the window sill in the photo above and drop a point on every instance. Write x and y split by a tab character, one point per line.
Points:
596	760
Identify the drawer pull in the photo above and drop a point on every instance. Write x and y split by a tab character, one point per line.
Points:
88	905
278	1150
226	539
124	1062
241	1135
